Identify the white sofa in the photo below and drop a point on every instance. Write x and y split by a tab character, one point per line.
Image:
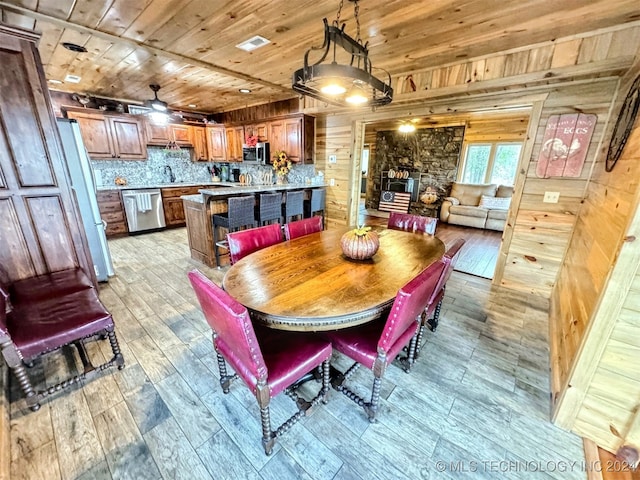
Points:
477	205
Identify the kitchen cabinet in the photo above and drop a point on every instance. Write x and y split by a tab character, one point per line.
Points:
216	143
295	136
260	130
111	136
235	140
174	215
199	232
112	212
199	140
164	134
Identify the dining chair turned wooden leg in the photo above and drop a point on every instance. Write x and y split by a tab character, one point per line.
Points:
268	361
376	345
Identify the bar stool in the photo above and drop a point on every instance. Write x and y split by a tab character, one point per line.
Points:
270	208
239	214
294	206
316	204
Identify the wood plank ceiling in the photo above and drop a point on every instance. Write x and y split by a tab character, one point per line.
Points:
188	47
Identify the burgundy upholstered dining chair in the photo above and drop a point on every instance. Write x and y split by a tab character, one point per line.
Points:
377	344
434	303
303	227
244	242
269	361
41	314
412	223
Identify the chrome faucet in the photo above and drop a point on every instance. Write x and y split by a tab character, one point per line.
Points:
167	170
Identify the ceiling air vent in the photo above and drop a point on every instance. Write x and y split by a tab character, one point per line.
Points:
72	78
253	43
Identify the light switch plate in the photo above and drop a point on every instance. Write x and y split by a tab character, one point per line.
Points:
332	182
333	158
551	197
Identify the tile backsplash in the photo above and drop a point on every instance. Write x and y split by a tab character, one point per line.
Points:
153	171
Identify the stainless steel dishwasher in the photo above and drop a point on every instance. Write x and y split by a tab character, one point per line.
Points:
144	209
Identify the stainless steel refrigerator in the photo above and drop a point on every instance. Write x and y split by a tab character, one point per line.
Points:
84	186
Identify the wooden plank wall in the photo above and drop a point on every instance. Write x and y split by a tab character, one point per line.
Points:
258	112
595	320
333	137
541	231
503	128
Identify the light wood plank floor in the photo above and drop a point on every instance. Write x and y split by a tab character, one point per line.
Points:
476	404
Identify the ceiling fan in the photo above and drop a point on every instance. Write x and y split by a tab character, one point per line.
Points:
155	103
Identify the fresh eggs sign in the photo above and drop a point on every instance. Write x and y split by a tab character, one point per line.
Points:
565	144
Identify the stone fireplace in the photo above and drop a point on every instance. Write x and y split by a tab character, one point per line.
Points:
429	155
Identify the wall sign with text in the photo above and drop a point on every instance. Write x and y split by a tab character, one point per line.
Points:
565	144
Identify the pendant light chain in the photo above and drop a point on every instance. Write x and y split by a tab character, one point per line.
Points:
356	13
339	12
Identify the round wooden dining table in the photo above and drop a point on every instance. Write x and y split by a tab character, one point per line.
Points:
307	284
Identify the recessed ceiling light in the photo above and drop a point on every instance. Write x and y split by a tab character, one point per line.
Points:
244	90
253	43
53	80
73	47
192	105
72	78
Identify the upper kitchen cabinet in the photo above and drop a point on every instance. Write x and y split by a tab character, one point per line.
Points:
164	134
111	136
235	140
199	141
259	130
216	143
295	136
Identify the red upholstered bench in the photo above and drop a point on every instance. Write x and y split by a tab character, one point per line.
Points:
41	314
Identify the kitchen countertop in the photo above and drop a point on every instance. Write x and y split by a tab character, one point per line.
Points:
224	192
167	185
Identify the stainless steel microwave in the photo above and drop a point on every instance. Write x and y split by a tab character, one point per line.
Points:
258	155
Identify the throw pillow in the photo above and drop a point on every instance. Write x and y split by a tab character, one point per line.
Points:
495	203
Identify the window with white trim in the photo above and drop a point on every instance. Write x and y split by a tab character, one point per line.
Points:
491	162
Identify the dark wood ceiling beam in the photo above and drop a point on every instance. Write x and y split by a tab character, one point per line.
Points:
133	43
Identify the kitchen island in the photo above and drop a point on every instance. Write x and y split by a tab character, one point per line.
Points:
199	210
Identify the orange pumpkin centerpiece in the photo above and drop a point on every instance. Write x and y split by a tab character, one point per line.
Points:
360	243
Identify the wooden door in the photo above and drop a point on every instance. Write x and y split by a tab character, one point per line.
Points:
96	134
216	143
40	227
128	138
199	141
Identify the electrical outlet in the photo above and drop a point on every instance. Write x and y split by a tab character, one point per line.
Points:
333	158
551	197
332	182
